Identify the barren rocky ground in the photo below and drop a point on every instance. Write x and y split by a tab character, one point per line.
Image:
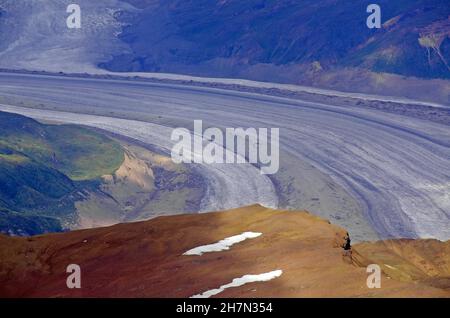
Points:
145	259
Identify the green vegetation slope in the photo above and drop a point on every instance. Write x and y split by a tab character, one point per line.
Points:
44	169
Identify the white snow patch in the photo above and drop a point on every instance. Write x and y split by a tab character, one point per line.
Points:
241	281
222	245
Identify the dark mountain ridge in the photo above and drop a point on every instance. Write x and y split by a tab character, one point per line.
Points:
238	38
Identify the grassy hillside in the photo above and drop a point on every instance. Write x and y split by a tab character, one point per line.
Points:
44	170
234	37
79	153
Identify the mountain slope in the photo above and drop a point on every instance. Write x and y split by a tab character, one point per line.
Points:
44	169
230	36
145	259
426	261
34	35
298	40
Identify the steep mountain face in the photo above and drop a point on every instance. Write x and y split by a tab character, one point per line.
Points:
288	41
228	36
311	258
43	168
